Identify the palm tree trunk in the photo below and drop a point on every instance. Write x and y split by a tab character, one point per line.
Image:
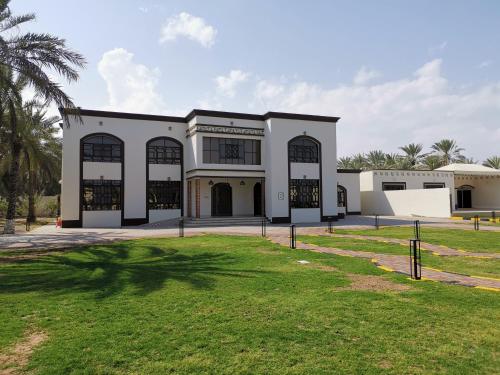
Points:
31	192
15	145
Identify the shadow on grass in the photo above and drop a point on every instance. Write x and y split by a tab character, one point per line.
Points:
108	271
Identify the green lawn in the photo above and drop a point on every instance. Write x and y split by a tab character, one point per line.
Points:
475	241
234	305
462	265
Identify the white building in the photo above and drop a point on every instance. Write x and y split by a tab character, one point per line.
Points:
128	169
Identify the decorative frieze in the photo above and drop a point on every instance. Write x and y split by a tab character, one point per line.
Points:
219	129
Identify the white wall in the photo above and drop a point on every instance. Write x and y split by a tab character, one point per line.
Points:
101	219
309	170
416	202
108	171
277	134
162	172
351	181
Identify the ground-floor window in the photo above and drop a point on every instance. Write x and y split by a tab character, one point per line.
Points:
433	185
341	196
164	195
304	193
393	186
101	195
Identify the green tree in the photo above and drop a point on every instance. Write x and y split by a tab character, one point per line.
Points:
432	162
26	58
344	162
492	162
448	151
413	153
375	159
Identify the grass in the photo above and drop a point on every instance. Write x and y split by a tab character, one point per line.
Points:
472	241
233	305
457	264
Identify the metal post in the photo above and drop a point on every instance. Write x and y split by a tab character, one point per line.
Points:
476	222
330	226
263	227
415	260
376	222
292	237
181	228
493	215
28	224
416	229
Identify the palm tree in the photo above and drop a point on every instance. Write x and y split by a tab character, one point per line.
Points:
25	57
375	159
493	162
344	162
432	162
413	153
448	151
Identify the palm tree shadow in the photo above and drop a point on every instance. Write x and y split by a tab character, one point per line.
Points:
106	272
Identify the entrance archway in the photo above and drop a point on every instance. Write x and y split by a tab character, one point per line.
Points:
222	199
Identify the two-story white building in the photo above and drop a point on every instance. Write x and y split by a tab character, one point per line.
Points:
123	169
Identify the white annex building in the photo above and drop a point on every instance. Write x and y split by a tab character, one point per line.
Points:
129	169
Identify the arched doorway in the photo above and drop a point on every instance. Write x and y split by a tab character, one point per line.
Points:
342	200
464	196
222	200
257	199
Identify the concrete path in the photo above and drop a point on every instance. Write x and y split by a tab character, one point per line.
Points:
397	263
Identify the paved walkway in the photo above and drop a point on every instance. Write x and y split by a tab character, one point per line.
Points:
396	263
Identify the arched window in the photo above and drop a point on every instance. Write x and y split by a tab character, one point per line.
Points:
164	151
341	196
102	148
303	150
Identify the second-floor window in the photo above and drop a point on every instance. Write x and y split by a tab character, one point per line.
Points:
164	151
231	151
102	148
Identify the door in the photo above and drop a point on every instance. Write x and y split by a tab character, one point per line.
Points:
222	200
257	199
464	198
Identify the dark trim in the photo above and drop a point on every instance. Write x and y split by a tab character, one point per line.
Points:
320	163
297	116
222	176
71	224
402	170
182	173
341	215
433	183
226	170
122	187
226	126
280	220
194	113
392	182
332	217
122	115
349	170
135	221
354	213
465	187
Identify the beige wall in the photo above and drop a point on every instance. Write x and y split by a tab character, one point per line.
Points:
486	192
416	202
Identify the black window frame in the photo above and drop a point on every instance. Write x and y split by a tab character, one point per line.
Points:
386	184
303	150
101	195
239	151
304	193
341	196
168	152
103	148
164	195
434	185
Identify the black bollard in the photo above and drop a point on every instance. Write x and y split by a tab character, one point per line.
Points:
476	222
28	224
416	229
376	222
263	227
415	260
330	225
293	243
181	228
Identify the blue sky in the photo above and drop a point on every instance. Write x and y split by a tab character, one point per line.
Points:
395	71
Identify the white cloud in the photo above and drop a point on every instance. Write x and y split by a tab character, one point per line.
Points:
132	87
365	75
265	90
421	108
485	64
226	85
188	26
